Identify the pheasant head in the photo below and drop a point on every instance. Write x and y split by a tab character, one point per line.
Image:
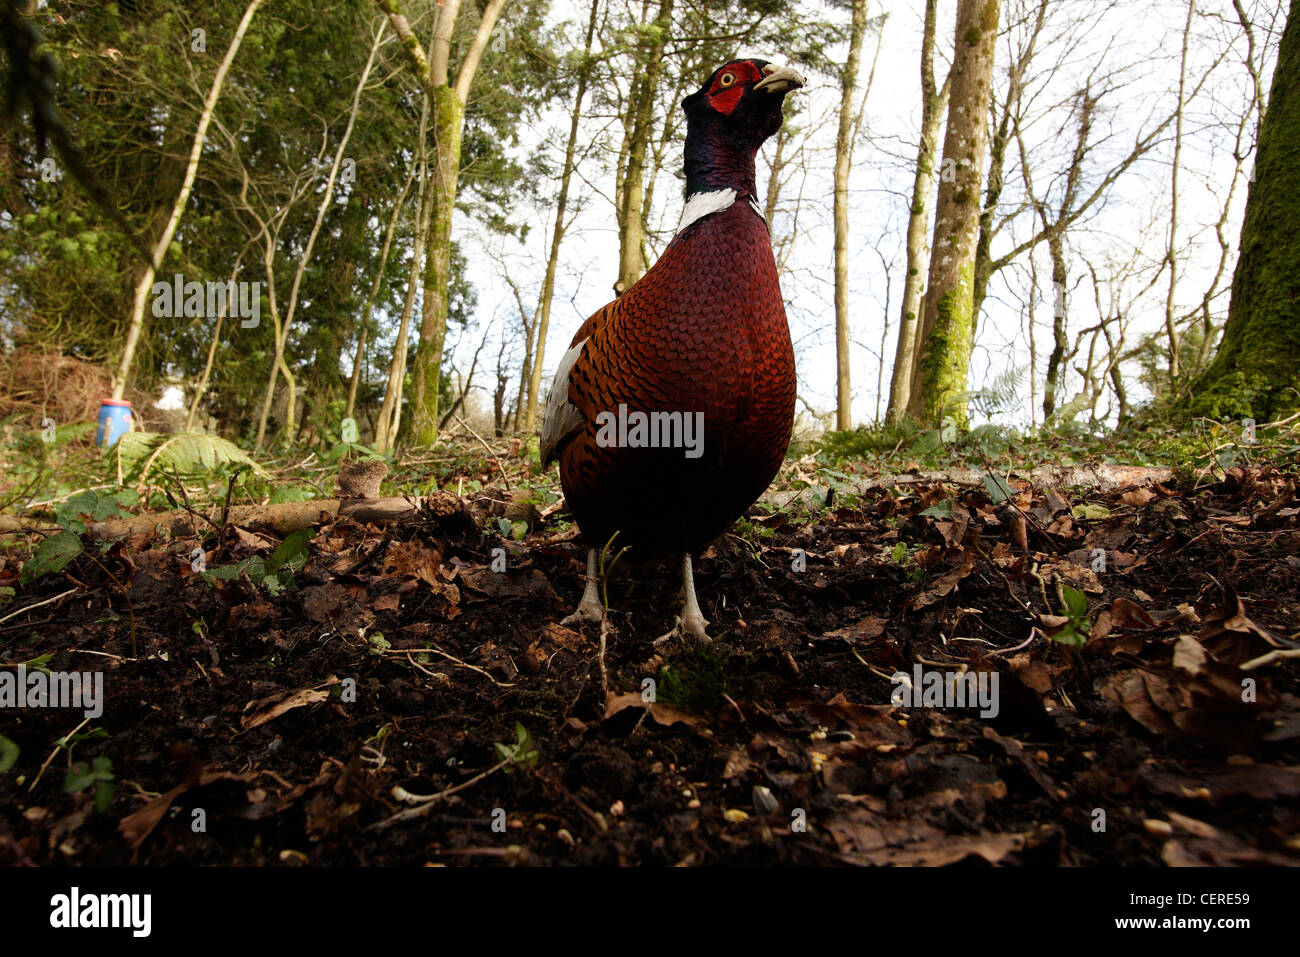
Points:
728	119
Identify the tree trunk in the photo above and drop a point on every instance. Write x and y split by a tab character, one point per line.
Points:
1254	373
1054	379
843	164
1171	256
327	198
205	377
358	361
631	258
543	315
943	359
448	122
448	126
933	104
390	409
145	285
1006	125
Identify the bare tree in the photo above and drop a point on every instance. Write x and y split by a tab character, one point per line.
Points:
1171	254
144	285
843	163
448	108
943	357
358	361
279	365
934	102
535	355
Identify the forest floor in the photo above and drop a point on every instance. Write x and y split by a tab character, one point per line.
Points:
1138	642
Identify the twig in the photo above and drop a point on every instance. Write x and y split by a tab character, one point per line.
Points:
230	491
452	658
185	495
1033	633
495	457
427	801
432	674
102	654
130	606
604	609
731	701
48	601
63	498
1270	657
604	675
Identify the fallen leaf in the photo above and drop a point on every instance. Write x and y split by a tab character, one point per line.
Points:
945	583
266	709
870	627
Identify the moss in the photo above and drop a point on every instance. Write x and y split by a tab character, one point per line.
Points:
1255	373
988	23
866	442
698	677
946	363
1182	455
449	119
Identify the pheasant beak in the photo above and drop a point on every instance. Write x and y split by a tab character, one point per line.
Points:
779	79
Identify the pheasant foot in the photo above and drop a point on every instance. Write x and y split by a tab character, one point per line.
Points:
691	622
590	608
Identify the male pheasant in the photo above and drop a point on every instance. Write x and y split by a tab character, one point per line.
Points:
672	409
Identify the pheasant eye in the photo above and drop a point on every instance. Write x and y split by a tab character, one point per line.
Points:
726	80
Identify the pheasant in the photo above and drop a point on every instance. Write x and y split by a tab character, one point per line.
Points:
672	409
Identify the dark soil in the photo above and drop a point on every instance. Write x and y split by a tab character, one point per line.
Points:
247	725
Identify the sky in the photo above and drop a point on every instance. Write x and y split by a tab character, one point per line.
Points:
1128	55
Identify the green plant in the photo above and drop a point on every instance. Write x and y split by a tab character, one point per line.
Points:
137	455
752	532
98	775
867	442
517	530
71	516
1076	627
8	753
274	573
521	753
701	678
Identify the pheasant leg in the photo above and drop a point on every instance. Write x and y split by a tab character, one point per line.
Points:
590	608
691	622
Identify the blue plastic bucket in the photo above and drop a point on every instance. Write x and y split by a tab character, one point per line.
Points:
114	421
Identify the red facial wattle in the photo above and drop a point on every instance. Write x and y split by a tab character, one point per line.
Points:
725	101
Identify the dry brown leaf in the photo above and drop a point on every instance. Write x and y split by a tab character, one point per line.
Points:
660	713
946	582
138	825
1137	496
866	628
257	713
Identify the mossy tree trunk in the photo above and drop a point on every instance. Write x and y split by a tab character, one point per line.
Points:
933	102
638	123
1255	372
448	123
942	360
448	102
